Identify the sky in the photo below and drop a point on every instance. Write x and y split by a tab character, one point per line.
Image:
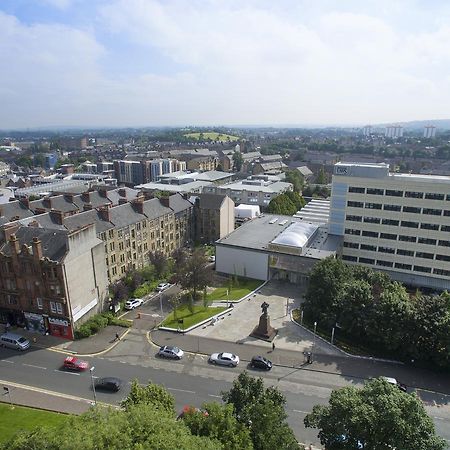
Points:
120	63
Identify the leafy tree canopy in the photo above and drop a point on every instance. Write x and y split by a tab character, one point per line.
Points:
379	417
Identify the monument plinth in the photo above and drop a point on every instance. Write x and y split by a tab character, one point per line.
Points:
264	330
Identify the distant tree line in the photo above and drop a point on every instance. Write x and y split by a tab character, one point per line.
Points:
378	313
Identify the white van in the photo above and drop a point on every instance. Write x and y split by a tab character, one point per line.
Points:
15	341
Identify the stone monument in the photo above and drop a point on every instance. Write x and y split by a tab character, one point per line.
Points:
264	331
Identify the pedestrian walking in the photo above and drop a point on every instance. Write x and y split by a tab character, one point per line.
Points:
273	346
117	337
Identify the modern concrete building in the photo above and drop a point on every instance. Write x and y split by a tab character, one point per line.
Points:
394	131
274	246
398	223
429	131
255	190
51	280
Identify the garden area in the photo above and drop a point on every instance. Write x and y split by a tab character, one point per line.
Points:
191	316
237	288
21	418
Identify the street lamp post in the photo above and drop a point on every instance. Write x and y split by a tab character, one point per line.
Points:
227	298
8	392
160	304
287	306
91	370
332	336
314	341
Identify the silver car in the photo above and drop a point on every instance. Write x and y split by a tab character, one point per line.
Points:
170	352
224	359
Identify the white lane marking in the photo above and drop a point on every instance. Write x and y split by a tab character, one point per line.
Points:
181	390
36	367
300	411
216	396
68	373
439	418
6	360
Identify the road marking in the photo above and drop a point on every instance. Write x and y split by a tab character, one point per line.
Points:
68	373
216	396
300	411
181	390
6	360
36	367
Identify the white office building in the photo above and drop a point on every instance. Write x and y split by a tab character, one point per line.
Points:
398	223
429	131
394	131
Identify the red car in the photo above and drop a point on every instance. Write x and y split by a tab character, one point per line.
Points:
73	363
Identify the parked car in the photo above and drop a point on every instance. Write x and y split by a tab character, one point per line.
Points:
111	384
14	341
170	352
162	287
188	409
259	362
224	359
133	303
393	381
74	363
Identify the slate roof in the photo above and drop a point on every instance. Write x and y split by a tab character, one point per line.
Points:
154	209
178	203
124	215
211	201
54	243
114	196
95	199
85	218
14	209
58	202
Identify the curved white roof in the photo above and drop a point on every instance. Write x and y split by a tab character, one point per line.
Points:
296	235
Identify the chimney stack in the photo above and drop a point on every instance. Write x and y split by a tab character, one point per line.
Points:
37	249
47	202
86	197
69	197
57	216
122	192
104	213
148	195
123	201
15	244
102	192
87	207
164	201
138	205
25	202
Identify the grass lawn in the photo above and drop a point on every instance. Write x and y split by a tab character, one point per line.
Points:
213	136
245	287
200	313
20	418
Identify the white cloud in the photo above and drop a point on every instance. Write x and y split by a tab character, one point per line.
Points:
230	62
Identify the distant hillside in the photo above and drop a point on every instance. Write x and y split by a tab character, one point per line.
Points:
443	124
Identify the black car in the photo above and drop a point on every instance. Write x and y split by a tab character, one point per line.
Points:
259	362
112	384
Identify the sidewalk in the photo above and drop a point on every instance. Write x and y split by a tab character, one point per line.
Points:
42	399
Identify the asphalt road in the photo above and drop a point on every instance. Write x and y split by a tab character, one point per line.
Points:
192	381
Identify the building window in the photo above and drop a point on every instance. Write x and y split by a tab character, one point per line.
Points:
408	224
405	238
422	269
393	193
354	218
403	266
392	207
353	232
59	308
373	205
386	250
366	260
403	252
444	243
370	248
443	272
443	257
432	212
351	245
40	303
53	307
425	255
444	228
373	191
431	226
392	237
370	234
433	196
12	299
426	241
372	220
355	204
114	271
411	209
356	190
349	258
414	194
380	262
390	222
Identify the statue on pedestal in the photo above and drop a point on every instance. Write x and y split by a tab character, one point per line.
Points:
264	330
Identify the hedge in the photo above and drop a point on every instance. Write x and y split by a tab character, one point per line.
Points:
97	322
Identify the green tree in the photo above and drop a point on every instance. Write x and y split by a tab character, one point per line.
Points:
295	177
282	204
238	161
195	273
296	199
322	177
379	416
152	394
218	422
159	262
262	410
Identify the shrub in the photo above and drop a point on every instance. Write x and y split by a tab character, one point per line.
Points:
83	331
